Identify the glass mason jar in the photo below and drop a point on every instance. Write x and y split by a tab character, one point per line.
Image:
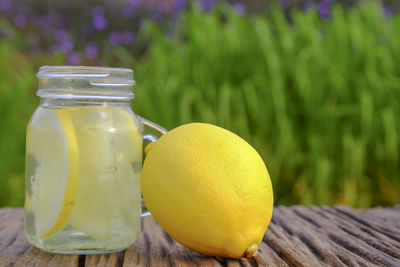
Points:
83	161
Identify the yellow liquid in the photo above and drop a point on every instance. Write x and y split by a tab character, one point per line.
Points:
106	201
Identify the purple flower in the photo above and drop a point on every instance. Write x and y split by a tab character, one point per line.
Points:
97	11
74	58
308	5
135	3
324	8
20	20
126	37
53	48
207	5
61	35
285	3
179	5
240	8
91	51
5	5
157	18
66	46
21	7
163	6
128	12
99	22
388	11
45	21
114	38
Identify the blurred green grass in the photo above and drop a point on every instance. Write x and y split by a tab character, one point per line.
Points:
319	99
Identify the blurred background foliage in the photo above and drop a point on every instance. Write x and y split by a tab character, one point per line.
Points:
313	86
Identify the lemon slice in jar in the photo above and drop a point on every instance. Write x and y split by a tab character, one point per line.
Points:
51	141
128	163
92	213
109	141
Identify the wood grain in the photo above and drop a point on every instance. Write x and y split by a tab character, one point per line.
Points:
297	236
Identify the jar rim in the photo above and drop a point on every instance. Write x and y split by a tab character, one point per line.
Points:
91	82
55	71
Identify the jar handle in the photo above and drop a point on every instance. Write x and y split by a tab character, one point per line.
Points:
152	126
151	132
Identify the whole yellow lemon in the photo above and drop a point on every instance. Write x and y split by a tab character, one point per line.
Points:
209	189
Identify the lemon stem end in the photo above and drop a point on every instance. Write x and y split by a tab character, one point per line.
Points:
252	250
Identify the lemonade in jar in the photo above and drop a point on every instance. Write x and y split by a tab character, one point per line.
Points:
83	162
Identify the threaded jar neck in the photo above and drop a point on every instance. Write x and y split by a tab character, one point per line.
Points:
85	83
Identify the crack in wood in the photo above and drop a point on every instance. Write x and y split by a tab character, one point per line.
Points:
81	260
222	261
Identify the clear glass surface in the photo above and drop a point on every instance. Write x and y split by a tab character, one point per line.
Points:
83	166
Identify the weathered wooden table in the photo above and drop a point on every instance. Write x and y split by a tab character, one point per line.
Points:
297	236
